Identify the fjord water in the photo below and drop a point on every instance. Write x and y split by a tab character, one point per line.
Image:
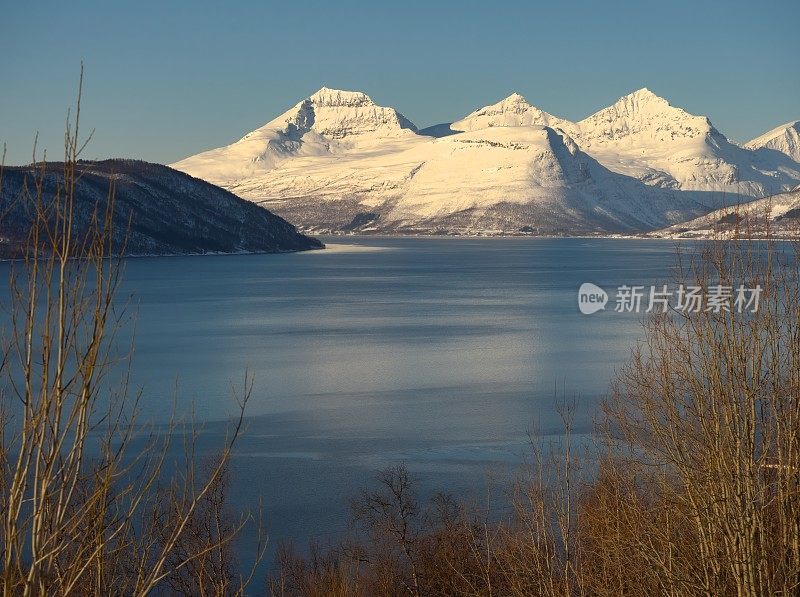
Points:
440	353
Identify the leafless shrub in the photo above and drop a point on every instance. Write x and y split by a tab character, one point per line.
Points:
708	410
696	483
82	513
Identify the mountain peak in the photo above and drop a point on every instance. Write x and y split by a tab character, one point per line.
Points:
515	103
339	98
641	98
791	125
513	110
515	97
644	112
644	92
336	114
785	138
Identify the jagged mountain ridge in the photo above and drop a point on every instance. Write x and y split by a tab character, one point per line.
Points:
354	165
450	185
329	122
511	111
644	136
785	139
169	211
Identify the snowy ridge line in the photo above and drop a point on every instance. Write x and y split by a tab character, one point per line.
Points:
337	161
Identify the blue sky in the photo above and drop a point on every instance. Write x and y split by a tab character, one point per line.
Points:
167	79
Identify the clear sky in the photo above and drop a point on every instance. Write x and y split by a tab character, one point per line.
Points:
170	78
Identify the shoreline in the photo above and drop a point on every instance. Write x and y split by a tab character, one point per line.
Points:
343	247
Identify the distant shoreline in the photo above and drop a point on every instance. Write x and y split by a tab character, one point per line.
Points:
204	254
637	236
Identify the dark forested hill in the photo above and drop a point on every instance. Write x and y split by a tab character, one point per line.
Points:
169	212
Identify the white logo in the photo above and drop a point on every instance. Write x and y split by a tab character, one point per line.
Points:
688	299
591	298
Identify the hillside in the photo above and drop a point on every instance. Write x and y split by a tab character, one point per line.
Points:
774	216
170	212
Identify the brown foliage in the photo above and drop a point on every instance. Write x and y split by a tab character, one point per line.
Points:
694	488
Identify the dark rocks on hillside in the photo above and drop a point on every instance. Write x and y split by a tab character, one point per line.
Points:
731	218
361	219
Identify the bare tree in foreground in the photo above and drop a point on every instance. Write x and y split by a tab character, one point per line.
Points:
82	512
708	413
695	488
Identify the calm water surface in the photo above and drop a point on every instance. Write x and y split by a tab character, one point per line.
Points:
439	353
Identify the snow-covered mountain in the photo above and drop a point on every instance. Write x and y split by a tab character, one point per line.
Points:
785	138
499	180
337	161
512	111
643	136
328	123
774	216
